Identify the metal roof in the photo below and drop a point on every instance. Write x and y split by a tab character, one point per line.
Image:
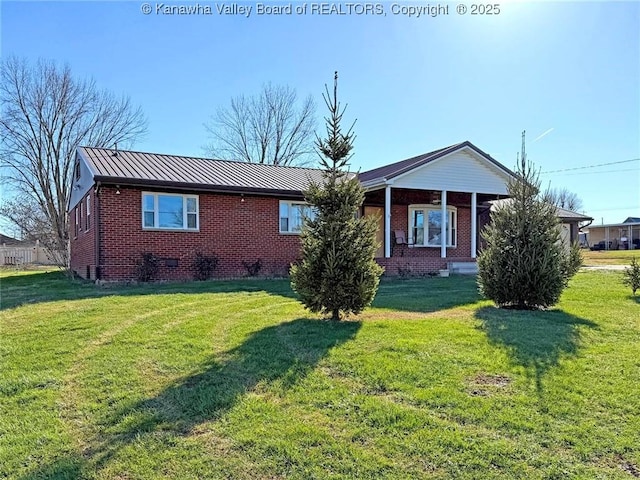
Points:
565	214
388	172
615	225
151	169
562	213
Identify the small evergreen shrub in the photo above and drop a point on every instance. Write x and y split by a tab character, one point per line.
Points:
204	265
147	267
631	276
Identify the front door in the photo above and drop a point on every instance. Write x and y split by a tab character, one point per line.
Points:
379	212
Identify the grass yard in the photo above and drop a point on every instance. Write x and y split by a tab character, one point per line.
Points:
233	379
609	257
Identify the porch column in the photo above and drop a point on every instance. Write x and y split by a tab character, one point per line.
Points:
474	223
443	225
387	222
606	236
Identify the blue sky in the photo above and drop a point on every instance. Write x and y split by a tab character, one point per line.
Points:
570	69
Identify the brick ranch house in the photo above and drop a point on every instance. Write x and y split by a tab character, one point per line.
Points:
126	203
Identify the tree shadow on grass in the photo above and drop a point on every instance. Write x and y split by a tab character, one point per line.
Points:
283	353
426	295
423	295
41	287
536	340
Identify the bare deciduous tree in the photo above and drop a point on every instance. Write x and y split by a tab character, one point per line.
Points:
46	115
267	128
563	198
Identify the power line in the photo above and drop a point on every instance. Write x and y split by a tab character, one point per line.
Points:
601	171
592	166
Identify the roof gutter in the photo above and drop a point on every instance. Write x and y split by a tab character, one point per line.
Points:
202	187
376	184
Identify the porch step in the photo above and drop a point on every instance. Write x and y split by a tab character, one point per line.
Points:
463	268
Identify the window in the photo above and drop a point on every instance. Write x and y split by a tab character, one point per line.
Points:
88	216
79	209
425	226
77	170
77	222
292	215
170	211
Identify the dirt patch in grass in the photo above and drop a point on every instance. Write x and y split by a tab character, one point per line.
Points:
376	315
483	385
629	467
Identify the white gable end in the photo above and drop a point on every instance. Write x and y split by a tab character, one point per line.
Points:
80	186
461	171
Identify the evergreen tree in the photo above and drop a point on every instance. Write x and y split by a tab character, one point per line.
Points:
338	274
525	265
631	276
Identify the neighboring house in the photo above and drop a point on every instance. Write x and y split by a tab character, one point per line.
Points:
570	225
614	236
569	222
5	241
124	204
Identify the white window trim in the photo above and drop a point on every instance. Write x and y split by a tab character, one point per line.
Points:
437	208
156	216
87	220
289	203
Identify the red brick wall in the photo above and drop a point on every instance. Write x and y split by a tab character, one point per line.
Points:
83	246
233	230
417	265
423	260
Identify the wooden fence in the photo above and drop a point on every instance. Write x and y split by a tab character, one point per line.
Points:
18	255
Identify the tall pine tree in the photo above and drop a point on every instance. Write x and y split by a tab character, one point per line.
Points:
338	275
524	265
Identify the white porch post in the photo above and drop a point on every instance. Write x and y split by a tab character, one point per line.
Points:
606	243
387	222
474	223
443	226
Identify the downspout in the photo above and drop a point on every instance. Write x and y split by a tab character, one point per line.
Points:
96	224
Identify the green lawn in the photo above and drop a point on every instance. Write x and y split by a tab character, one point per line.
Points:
233	379
609	257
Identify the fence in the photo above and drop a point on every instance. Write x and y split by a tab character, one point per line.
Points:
15	255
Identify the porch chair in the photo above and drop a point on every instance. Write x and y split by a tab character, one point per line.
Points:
399	239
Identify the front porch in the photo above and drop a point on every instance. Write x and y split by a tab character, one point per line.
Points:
431	208
411	227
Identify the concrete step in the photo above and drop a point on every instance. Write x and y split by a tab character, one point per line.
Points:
463	268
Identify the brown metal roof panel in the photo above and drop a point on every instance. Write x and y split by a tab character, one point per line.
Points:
151	167
394	169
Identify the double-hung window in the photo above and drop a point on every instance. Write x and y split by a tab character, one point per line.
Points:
426	226
293	214
170	211
88	216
